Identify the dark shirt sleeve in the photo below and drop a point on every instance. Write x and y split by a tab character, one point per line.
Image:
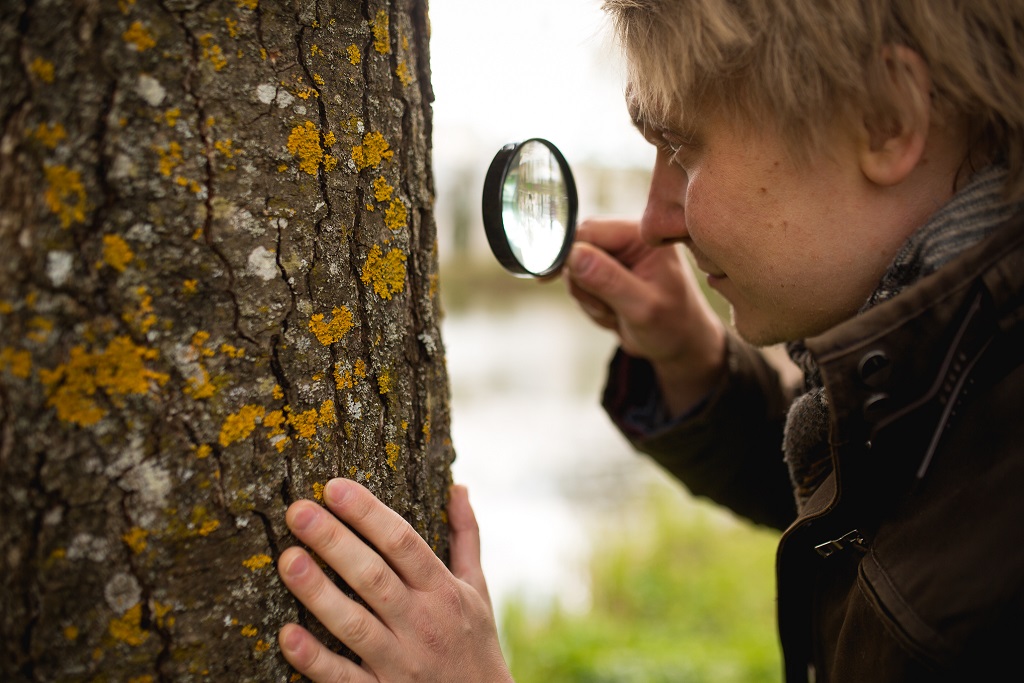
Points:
728	447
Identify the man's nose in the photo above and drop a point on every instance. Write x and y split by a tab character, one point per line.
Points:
664	219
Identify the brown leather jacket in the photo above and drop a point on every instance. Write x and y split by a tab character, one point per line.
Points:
907	564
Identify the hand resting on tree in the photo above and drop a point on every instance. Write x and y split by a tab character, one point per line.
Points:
424	622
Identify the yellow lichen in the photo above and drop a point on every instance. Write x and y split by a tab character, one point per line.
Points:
385	382
199	340
318	79
139	37
160	612
392	450
402	71
170	158
372	152
135	539
117	371
71	632
50	134
39	329
426	431
116	252
125	5
42	69
315	50
328	333
238	426
397	216
225	148
212	52
247	4
65	194
203	450
382	190
354	57
327	416
232	25
318	491
232	351
385	272
261	646
304	143
257	561
127	628
277	392
304	423
249	631
189	287
201	387
18	363
381	42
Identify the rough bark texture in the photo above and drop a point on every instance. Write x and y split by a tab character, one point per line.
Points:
218	281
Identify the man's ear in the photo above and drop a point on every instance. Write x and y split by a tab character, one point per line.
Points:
892	148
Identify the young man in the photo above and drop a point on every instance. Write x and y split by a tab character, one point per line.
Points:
849	176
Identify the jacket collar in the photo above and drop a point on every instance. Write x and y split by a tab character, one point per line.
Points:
875	367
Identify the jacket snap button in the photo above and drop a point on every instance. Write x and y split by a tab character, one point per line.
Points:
875	406
875	369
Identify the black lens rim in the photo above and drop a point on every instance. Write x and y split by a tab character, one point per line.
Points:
494	225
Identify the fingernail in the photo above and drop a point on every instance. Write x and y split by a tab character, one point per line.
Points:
298	565
334	492
290	639
303	517
579	260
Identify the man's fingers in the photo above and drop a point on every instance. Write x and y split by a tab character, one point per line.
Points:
359	565
310	658
350	622
396	541
464	541
605	282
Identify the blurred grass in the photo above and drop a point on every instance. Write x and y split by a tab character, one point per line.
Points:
682	593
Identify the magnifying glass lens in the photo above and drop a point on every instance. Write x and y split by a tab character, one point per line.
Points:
530	208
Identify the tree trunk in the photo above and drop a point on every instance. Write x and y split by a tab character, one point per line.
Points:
218	289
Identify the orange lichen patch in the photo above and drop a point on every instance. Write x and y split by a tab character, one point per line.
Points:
402	72
426	431
257	562
277	392
360	368
203	450
327	416
354	57
225	148
116	252
199	340
274	421
118	370
39	329
42	69
232	351
170	158
212	52
318	79
125	5
238	426
50	134
139	37
304	143
160	612
249	631
135	539
385	382
304	423
372	152
328	333
127	628
65	194
232	25
247	4
343	380
189	287
261	646
382	190
385	272
201	387
203	524
392	450
315	50
318	491
17	362
171	116
71	632
380	23
143	319
397	216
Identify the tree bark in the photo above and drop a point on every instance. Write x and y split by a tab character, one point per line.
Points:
218	290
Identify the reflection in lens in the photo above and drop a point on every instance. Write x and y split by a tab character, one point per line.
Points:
535	207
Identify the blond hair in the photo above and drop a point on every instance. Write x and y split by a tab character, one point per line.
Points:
804	64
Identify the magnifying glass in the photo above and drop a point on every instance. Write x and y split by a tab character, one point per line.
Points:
529	208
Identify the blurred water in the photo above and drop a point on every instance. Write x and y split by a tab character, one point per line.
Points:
542	462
